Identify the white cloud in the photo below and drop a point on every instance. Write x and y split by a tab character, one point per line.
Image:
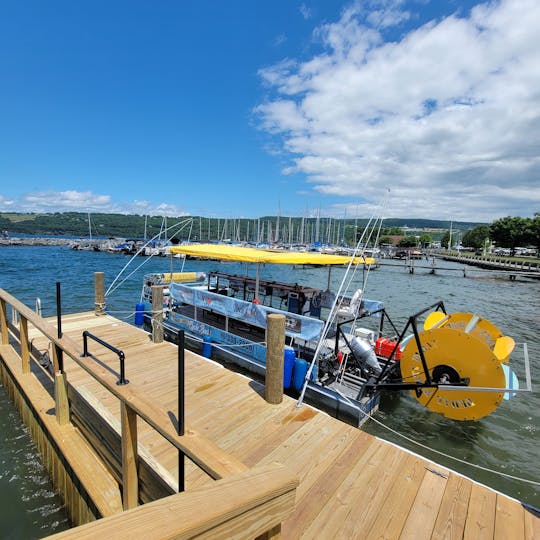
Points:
85	201
305	11
448	117
65	200
6	204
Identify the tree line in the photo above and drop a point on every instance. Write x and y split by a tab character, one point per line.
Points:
508	232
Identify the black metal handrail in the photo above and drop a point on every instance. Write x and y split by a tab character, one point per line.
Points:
121	356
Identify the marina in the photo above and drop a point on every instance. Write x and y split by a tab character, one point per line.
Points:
490	442
348	484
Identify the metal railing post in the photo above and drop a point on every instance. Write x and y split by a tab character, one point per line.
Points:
181	407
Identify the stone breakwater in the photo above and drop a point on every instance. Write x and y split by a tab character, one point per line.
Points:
110	245
32	241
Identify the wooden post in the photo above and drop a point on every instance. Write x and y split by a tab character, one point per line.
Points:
157	313
275	348
3	322
99	293
61	398
25	347
130	480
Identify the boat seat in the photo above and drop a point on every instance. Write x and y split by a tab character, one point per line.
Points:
350	311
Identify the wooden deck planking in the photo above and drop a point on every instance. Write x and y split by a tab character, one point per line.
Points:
509	522
481	514
396	508
423	513
333	518
352	485
450	522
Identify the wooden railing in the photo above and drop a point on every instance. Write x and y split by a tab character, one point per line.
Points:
248	505
204	453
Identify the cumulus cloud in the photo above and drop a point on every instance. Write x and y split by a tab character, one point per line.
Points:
84	201
447	117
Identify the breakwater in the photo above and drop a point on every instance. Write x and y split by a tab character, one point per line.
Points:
513	267
28	241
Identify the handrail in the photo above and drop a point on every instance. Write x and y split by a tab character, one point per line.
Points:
243	506
204	453
86	334
248	502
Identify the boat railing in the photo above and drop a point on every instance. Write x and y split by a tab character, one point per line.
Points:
256	491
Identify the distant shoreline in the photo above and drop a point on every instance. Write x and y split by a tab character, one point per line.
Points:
38	241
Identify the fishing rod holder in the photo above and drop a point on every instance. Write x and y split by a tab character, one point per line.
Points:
86	334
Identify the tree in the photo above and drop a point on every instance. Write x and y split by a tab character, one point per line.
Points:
392	231
476	238
445	239
408	241
509	232
425	240
386	240
533	232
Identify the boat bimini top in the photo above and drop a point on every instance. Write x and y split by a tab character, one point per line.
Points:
226	252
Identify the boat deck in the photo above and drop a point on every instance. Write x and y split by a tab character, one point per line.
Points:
352	485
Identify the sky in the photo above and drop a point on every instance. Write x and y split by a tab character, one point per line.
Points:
374	108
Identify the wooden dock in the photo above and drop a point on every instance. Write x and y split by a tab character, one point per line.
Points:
348	484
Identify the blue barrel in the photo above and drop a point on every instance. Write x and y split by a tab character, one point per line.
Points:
207	347
139	314
300	370
288	365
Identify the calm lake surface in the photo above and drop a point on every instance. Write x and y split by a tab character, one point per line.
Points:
504	442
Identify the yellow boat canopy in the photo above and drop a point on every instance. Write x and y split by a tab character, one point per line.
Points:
225	252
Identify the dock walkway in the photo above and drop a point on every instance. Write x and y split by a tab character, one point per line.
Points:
351	484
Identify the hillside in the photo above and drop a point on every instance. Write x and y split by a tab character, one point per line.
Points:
135	226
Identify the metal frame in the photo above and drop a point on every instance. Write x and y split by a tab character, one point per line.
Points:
86	334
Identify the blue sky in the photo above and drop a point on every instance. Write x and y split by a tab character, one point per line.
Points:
249	108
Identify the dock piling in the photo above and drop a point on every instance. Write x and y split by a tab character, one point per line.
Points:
275	348
157	314
99	293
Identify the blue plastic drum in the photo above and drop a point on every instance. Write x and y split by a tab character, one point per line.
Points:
139	314
288	366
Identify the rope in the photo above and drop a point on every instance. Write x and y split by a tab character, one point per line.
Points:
344	285
459	460
180	223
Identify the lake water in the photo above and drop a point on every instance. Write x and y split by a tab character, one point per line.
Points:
504	442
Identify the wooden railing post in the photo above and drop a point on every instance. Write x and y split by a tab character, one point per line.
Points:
157	313
99	293
4	322
25	347
61	401
130	480
275	348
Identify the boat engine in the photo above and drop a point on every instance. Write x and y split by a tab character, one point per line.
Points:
364	354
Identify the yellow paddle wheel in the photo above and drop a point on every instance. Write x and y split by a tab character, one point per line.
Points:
457	365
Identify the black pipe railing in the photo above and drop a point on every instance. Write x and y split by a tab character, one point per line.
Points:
58	350
121	356
181	407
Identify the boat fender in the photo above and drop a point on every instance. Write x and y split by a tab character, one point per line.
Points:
139	314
